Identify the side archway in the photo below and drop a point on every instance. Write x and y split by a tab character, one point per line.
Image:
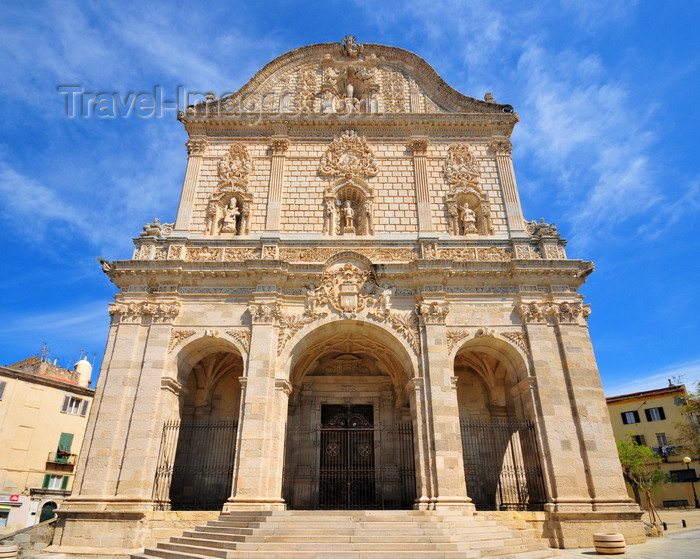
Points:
498	426
198	445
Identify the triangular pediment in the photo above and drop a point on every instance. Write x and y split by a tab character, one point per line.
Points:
350	78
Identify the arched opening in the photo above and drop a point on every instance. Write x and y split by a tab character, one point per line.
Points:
349	435
499	445
195	470
48	511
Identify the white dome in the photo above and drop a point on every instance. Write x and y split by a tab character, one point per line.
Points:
84	368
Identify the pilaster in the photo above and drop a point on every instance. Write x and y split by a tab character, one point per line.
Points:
445	451
278	147
195	152
255	449
419	147
504	163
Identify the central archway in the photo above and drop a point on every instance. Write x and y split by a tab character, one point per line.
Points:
349	438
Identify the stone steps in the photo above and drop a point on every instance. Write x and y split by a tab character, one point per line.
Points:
350	535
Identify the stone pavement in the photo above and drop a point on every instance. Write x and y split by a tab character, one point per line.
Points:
677	543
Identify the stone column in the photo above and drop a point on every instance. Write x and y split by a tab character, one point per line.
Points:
514	213
419	147
195	150
558	426
255	449
422	444
278	146
445	451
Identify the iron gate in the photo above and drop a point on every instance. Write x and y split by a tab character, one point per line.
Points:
195	465
501	465
348	464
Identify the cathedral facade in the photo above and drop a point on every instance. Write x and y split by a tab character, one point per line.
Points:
349	311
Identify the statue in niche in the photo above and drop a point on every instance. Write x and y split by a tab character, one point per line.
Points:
468	219
349	217
231	217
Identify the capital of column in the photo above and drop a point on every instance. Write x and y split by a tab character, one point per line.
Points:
196	146
501	146
284	385
433	312
561	313
279	146
418	145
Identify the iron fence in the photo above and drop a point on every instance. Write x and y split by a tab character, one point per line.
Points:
501	465
350	468
195	465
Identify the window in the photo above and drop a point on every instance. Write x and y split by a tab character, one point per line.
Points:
639	439
3	384
74	406
661	439
629	417
655	414
683	475
4	515
55	482
63	450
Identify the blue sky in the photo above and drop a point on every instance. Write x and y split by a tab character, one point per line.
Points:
607	147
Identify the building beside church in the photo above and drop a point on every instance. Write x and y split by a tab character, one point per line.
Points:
651	418
43	416
349	312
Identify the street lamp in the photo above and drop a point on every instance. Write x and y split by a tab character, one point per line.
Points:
687	461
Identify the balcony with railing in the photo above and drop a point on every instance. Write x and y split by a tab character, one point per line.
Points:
62	458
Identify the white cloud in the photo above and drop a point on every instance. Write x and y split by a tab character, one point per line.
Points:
686	373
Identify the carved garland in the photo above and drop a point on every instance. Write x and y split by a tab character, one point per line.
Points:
178	336
566	313
135	312
242	336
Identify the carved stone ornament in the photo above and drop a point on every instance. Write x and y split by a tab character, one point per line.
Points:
518	338
196	146
462	168
454	337
433	312
157	229
137	311
278	146
501	146
349	156
563	313
242	336
322	254
485	332
541	229
178	336
234	168
479	254
350	48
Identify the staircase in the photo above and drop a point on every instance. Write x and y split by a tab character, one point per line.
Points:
351	535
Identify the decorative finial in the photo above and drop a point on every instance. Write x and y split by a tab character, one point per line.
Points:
350	47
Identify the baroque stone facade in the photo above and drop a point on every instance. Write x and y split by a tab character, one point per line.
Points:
350	250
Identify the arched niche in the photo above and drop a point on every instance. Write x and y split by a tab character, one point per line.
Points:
469	212
229	214
348	209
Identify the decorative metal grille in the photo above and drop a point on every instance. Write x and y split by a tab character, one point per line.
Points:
348	464
195	466
501	465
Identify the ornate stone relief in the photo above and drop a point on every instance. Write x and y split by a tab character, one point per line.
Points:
242	336
526	252
501	146
228	211
566	313
554	252
541	229
137	311
204	254
319	254
349	156
490	254
394	92
238	254
176	336
196	146
433	312
157	229
518	338
468	208
454	337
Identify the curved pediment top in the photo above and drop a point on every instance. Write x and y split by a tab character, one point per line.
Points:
346	77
